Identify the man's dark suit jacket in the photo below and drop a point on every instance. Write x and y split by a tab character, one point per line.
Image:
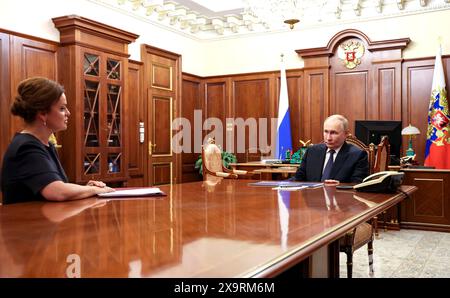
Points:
350	165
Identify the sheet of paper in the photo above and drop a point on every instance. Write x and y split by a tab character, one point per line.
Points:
133	192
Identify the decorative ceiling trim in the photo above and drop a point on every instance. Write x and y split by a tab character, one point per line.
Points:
170	15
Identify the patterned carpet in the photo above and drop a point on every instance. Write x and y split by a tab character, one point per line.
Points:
405	253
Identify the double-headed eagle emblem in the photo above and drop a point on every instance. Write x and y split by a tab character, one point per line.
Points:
351	52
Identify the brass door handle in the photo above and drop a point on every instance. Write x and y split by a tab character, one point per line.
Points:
151	147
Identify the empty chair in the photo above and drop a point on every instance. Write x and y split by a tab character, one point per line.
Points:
213	165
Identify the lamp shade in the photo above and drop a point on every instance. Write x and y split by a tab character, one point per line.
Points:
410	130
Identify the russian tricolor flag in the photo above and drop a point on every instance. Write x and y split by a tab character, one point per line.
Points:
284	139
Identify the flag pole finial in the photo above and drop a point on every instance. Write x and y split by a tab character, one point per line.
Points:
281	57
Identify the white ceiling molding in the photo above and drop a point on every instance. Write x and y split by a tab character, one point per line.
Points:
337	8
379	6
357	7
191	18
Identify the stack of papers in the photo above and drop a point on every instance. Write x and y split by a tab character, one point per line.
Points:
133	192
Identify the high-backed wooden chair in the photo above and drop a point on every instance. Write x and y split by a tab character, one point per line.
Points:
212	163
381	164
369	149
382	156
363	233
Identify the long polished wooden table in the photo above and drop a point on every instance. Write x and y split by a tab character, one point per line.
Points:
222	228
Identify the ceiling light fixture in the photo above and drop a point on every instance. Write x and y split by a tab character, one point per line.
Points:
273	13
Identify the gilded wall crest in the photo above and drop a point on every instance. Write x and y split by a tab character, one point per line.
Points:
351	52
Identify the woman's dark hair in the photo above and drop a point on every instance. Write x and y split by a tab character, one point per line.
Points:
35	95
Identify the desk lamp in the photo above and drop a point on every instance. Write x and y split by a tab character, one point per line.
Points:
410	131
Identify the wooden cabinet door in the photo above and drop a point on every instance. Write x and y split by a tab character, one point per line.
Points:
135	123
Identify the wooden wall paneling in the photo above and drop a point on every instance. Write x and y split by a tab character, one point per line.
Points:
251	99
316	85
220	94
350	95
30	58
351	89
417	80
369	90
429	207
137	157
70	78
192	99
162	115
216	105
316	92
162	85
387	91
5	96
162	173
387	88
21	58
386	96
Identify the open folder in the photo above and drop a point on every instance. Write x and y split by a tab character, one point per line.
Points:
133	192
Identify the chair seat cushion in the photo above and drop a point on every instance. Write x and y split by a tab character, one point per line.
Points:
363	234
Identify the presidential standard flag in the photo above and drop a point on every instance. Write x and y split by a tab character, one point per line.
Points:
284	139
437	149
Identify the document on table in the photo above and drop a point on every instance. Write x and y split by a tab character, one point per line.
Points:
286	184
289	188
133	192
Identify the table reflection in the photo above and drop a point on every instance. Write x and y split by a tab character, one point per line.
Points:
216	228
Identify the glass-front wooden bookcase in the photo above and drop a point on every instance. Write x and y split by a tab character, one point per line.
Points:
102	88
92	65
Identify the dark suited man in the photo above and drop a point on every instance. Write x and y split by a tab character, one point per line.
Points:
334	160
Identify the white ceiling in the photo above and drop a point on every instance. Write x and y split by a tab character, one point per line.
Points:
214	6
215	19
